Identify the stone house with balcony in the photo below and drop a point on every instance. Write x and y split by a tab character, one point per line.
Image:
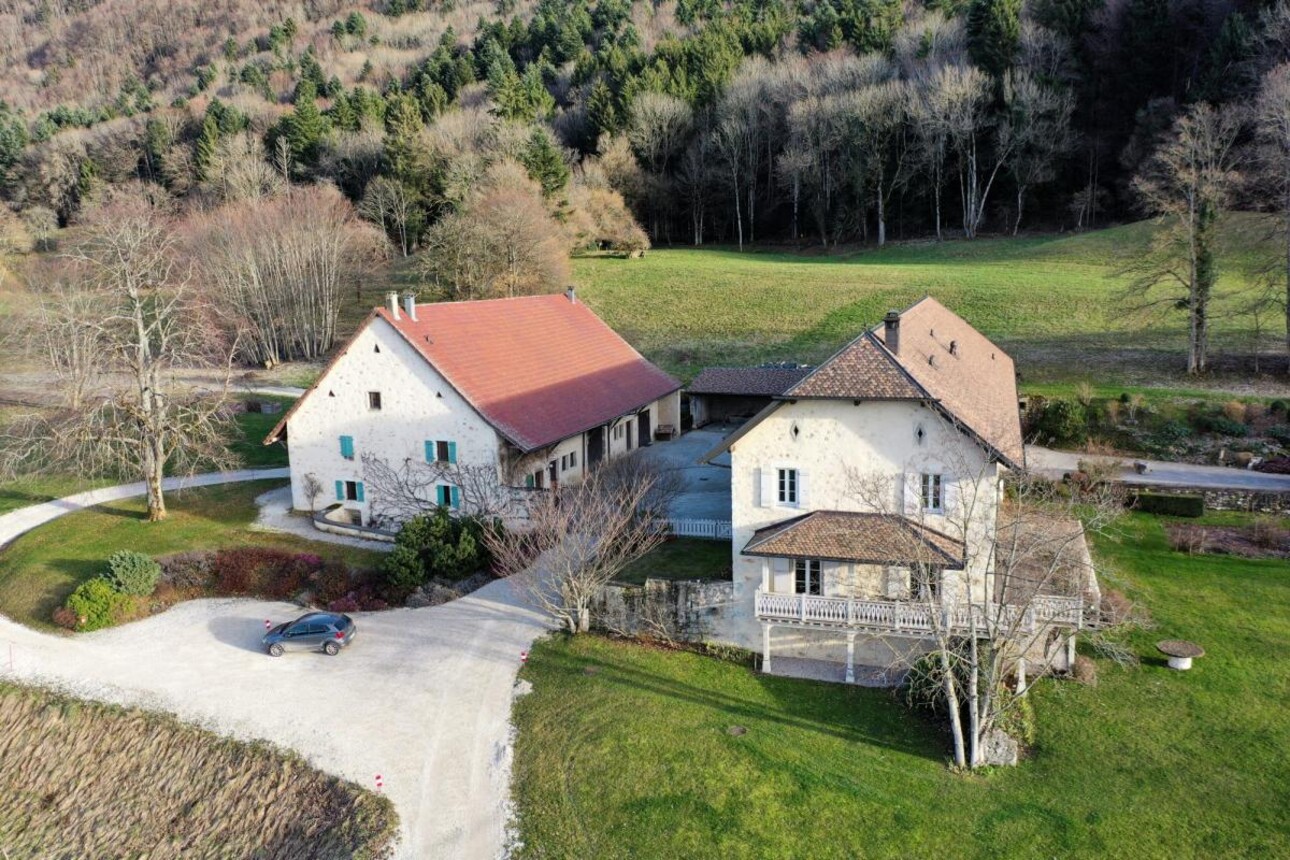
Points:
528	393
867	496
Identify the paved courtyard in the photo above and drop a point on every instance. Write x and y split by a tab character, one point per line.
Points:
706	493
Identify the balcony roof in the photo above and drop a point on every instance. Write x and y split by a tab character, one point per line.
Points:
857	537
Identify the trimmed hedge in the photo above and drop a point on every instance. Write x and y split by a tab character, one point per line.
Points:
1167	504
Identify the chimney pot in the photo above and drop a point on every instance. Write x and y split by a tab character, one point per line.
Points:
392	303
891	331
571	294
410	305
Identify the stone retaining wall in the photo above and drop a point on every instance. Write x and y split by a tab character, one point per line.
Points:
1252	501
687	610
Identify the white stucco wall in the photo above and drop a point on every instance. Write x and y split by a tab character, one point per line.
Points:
833	441
417	405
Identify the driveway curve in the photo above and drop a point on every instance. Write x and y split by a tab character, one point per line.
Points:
422	698
1160	472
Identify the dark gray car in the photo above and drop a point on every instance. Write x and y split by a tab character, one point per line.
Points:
317	631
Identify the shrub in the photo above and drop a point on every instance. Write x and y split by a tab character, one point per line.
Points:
1277	407
1220	425
343	604
96	604
1084	671
1062	422
331	581
187	569
1281	433
437	544
132	573
1171	432
65	617
1234	410
1017	717
1124	397
1192	540
263	570
925	682
1269	533
1168	505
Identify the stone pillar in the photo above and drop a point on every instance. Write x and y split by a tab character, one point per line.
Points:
765	647
851	658
1070	653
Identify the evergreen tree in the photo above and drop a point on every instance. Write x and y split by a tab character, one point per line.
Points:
207	142
994	31
305	126
544	163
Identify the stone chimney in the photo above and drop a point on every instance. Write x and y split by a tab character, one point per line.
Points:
392	303
571	294
891	332
410	305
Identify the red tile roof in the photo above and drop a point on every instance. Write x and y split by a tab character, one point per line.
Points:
862	370
974	380
746	381
538	368
860	537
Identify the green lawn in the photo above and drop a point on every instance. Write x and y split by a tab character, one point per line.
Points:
635	759
1051	299
39	569
681	558
254	426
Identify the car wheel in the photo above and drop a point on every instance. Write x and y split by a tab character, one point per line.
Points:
332	648
275	650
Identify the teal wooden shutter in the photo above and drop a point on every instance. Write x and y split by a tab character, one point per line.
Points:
429	451
528	481
452	454
456	497
340	491
347	447
359	485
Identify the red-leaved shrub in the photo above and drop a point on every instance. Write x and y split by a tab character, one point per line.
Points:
65	617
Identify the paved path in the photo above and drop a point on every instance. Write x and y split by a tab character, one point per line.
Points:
1057	463
276	516
16	522
422	697
705	493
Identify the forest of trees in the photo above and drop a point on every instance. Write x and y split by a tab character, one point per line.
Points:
471	131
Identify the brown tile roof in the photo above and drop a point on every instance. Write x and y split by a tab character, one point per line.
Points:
538	368
861	370
974	380
747	381
860	537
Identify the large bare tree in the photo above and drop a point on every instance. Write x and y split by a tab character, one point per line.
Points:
577	540
144	319
1186	184
990	631
281	265
1272	127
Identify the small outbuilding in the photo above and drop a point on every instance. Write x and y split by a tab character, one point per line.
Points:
736	394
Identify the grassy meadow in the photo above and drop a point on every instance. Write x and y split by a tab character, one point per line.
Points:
39	569
82	779
626	751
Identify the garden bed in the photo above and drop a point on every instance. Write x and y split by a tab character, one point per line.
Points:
1266	538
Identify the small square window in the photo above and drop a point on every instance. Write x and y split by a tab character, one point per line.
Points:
373	400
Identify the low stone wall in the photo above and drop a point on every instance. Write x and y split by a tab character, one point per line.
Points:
1250	501
324	523
687	610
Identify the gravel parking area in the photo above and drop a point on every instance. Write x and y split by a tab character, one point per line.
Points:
422	697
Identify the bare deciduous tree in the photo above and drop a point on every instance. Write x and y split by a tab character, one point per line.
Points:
63	330
149	321
281	264
387	203
1186	185
397	492
578	539
1036	132
1272	126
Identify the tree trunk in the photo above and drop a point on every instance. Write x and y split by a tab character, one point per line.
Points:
739	218
1021	193
956	719
882	214
1286	217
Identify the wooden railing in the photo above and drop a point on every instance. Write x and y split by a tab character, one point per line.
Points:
911	617
711	529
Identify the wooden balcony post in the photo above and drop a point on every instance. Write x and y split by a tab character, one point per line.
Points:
802	597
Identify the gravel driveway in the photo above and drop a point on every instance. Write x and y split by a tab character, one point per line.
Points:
422	697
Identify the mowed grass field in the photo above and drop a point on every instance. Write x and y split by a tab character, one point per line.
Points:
625	751
39	569
1056	301
81	779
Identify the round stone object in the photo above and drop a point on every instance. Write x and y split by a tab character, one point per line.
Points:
1180	652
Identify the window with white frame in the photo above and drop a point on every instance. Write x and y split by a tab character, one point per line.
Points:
933	494
807	576
925	582
787	492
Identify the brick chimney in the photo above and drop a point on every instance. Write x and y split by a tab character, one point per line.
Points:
410	305
891	332
392	303
571	294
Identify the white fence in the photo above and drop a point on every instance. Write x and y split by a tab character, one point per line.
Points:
710	529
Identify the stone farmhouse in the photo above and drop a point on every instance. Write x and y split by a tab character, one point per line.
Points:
473	397
870	485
